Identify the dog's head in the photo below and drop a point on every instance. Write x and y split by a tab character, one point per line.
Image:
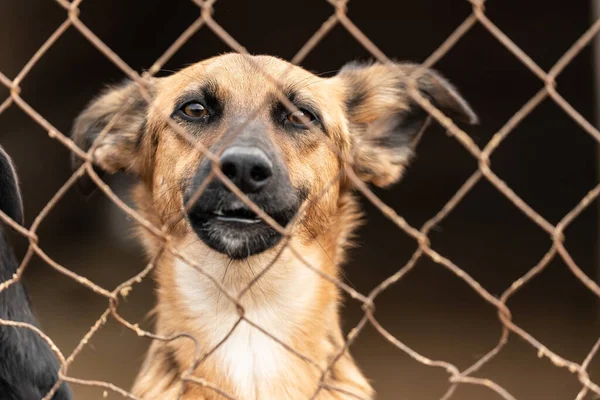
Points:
281	159
10	196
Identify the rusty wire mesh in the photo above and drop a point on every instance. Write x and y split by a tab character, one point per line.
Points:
484	171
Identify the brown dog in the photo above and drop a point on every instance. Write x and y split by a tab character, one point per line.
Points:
284	161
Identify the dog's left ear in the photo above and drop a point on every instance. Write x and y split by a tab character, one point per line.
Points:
384	119
119	148
10	196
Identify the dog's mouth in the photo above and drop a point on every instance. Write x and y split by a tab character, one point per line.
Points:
236	230
240	215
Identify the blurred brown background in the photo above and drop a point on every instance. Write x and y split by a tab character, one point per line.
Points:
548	160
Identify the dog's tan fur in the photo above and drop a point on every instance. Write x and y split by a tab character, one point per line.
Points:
362	108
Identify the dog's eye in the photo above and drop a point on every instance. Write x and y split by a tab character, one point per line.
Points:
194	110
301	118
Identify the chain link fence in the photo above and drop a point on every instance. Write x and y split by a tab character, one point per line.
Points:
339	17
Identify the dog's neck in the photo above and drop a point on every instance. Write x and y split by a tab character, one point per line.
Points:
290	315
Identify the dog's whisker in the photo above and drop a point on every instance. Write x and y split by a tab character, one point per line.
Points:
222	282
266	298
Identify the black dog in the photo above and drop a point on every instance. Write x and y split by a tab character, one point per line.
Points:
28	368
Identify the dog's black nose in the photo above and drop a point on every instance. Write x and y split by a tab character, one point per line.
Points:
248	168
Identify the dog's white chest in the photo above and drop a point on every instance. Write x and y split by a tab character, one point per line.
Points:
251	359
254	362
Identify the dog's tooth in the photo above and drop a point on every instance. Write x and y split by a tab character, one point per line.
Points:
237	204
218	212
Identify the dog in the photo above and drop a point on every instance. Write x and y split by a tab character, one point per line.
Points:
289	160
28	367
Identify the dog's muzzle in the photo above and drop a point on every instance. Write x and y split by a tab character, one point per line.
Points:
223	221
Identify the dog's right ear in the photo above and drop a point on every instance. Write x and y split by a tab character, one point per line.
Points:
10	196
118	149
384	119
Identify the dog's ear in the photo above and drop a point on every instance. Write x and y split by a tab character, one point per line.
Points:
10	196
384	119
118	149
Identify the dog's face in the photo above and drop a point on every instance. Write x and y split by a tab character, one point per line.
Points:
282	159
